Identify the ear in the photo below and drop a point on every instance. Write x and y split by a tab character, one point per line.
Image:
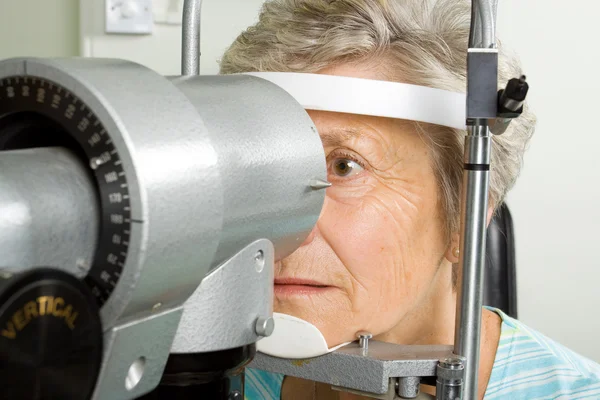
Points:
454	246
451	252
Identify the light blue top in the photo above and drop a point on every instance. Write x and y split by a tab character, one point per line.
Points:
528	366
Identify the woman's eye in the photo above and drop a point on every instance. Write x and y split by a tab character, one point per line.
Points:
344	167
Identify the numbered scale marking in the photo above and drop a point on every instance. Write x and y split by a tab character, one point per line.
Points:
34	95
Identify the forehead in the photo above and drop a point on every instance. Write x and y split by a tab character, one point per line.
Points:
391	147
338	129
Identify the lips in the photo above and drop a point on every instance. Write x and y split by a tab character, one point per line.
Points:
287	287
298	282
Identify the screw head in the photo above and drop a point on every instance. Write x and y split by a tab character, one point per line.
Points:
364	335
235	395
452	362
82	265
95	163
259	259
264	326
363	340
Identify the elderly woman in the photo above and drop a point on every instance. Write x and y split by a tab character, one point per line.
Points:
383	255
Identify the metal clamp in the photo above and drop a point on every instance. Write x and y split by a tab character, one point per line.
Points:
450	375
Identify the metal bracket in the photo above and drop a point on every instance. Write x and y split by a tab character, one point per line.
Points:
482	85
136	353
389	395
353	369
394	391
232	306
399	389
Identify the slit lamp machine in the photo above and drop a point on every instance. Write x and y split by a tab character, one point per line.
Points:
141	216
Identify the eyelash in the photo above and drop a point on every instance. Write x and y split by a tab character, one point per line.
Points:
334	155
342	155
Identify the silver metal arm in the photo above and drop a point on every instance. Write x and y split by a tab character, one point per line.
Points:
482	77
190	40
483	24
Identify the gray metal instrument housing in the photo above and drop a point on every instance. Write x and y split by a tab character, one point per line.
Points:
218	171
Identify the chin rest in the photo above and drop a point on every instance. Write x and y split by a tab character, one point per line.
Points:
500	285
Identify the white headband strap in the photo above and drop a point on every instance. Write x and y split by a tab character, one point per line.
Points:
372	97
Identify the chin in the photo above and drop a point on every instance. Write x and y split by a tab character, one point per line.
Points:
328	315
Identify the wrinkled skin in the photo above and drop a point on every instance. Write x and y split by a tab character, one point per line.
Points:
379	244
379	240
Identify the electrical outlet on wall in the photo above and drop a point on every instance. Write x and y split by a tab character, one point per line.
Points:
168	12
129	16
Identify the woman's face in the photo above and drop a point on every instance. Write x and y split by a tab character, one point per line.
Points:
378	244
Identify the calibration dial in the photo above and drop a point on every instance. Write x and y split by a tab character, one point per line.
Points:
36	112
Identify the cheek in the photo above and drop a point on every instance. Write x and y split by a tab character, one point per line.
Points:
383	244
359	236
373	246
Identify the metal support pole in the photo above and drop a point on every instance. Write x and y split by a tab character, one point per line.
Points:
482	106
190	40
472	244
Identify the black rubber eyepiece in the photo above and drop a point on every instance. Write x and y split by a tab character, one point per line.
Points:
50	336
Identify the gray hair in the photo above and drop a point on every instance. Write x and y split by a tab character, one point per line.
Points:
413	41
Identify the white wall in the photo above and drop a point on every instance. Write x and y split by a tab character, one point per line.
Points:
43	28
221	22
556	201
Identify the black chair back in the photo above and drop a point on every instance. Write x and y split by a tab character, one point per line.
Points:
500	284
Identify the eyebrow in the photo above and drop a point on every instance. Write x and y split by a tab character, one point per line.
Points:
338	136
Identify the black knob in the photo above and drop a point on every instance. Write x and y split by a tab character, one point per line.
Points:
50	336
511	99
